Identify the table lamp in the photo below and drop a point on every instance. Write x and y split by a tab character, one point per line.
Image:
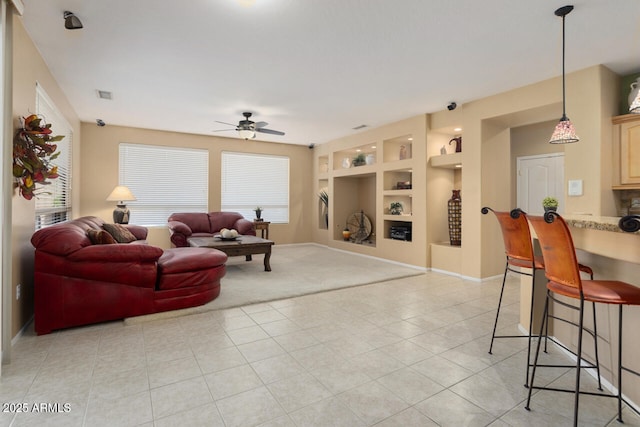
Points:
121	194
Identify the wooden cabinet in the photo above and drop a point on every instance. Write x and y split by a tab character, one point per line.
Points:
626	154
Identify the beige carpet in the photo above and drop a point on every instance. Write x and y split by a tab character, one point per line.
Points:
296	270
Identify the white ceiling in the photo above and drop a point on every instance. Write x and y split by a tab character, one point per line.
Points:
315	69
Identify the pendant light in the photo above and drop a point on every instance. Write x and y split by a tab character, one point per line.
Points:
564	132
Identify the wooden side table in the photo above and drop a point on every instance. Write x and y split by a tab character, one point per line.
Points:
262	226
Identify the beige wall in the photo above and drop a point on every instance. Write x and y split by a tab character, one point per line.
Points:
99	169
29	68
530	140
486	124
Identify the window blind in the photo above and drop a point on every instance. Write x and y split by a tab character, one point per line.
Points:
251	180
164	180
53	201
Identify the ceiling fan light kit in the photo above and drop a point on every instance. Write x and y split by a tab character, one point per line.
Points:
246	134
247	128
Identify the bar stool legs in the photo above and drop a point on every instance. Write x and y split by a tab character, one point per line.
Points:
495	324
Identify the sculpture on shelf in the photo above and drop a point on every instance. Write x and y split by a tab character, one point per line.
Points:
455	218
458	141
403	152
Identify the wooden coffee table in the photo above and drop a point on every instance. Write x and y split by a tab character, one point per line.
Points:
243	245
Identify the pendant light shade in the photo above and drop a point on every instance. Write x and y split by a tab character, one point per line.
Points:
564	132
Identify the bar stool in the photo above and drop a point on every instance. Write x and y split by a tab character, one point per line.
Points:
563	274
518	248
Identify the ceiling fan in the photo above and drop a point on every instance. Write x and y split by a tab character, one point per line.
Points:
247	128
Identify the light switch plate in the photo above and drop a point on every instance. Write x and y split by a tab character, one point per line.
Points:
575	187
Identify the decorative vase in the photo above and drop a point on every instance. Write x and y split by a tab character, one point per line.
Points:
455	218
371	159
635	88
550	208
458	141
403	152
258	215
346	234
346	163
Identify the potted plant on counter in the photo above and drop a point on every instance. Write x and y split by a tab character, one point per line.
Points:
550	204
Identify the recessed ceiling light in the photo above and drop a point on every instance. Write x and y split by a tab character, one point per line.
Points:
358	150
373	147
457	129
104	94
410	139
458	165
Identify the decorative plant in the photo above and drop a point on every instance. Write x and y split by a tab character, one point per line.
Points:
258	211
33	152
324	198
395	208
360	159
550	202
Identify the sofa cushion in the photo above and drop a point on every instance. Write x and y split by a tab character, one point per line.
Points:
119	233
100	237
185	267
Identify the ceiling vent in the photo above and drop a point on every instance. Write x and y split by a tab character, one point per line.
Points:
104	94
359	127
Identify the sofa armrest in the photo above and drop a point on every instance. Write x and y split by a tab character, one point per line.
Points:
179	227
244	226
117	253
137	230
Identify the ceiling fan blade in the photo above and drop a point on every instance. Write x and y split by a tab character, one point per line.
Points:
260	124
222	130
270	131
225	123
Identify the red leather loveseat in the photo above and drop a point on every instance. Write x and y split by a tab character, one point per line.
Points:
197	224
77	282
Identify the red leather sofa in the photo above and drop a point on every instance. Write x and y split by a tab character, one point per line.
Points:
197	224
78	283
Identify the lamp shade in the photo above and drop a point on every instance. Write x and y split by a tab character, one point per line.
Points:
564	132
121	194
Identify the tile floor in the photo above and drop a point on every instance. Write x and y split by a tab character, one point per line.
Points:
409	352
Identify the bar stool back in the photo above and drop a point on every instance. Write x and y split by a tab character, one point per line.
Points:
563	274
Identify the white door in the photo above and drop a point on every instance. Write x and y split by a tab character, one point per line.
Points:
538	177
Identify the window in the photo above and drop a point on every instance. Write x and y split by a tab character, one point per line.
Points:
53	203
164	180
251	180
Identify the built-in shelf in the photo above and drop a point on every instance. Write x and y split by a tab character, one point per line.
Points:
398	149
447	161
397	193
343	159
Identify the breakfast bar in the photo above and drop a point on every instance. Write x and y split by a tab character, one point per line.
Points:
613	254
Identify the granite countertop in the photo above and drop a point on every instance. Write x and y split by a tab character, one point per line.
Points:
603	223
